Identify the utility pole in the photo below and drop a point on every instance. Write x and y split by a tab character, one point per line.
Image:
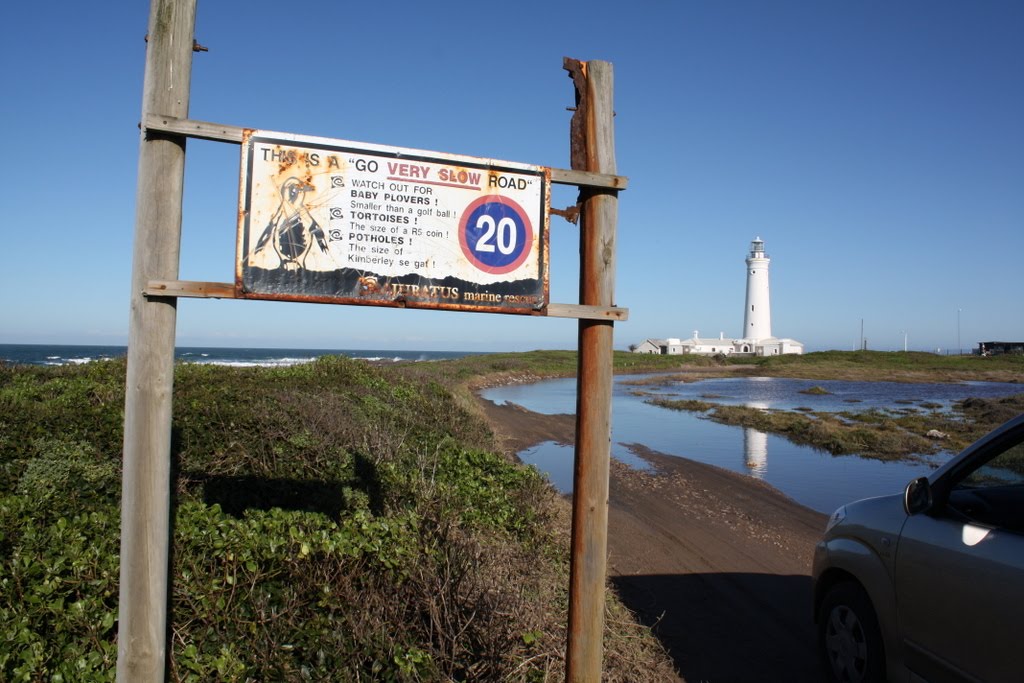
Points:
145	487
593	143
960	348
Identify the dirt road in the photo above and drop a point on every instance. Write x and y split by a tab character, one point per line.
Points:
716	562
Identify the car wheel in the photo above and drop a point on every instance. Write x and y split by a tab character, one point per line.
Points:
848	635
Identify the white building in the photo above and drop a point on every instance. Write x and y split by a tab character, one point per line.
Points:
757	337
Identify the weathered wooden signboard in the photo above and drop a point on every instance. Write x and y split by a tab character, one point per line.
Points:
355	223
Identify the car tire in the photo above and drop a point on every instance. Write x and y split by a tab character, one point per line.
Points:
849	637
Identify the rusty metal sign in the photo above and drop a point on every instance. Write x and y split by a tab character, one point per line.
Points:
334	221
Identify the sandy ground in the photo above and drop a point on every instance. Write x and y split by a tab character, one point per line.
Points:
717	563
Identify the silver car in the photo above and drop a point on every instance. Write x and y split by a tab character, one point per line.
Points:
929	585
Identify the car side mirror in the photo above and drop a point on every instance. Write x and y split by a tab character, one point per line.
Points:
917	497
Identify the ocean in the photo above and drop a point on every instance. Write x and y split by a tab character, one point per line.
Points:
60	354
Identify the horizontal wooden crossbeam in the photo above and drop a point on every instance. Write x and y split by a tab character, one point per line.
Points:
204	130
225	290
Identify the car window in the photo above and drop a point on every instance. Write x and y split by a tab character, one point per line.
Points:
1007	468
993	493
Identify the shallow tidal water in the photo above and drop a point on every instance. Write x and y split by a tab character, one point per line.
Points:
813	478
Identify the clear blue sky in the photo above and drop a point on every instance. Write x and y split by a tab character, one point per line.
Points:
876	147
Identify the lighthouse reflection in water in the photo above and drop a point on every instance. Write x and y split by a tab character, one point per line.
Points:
755	447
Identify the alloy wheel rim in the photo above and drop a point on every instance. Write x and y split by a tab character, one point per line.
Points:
846	645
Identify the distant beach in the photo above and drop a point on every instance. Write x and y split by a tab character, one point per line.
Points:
70	354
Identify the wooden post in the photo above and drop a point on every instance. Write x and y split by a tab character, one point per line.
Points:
145	489
593	143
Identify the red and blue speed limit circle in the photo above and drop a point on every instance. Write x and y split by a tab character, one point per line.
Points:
496	234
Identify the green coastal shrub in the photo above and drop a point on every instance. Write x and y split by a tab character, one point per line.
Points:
65	478
58	594
331	521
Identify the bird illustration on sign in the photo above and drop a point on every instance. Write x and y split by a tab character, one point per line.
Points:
292	232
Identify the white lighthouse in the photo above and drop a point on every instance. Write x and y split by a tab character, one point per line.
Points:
756	340
757	316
